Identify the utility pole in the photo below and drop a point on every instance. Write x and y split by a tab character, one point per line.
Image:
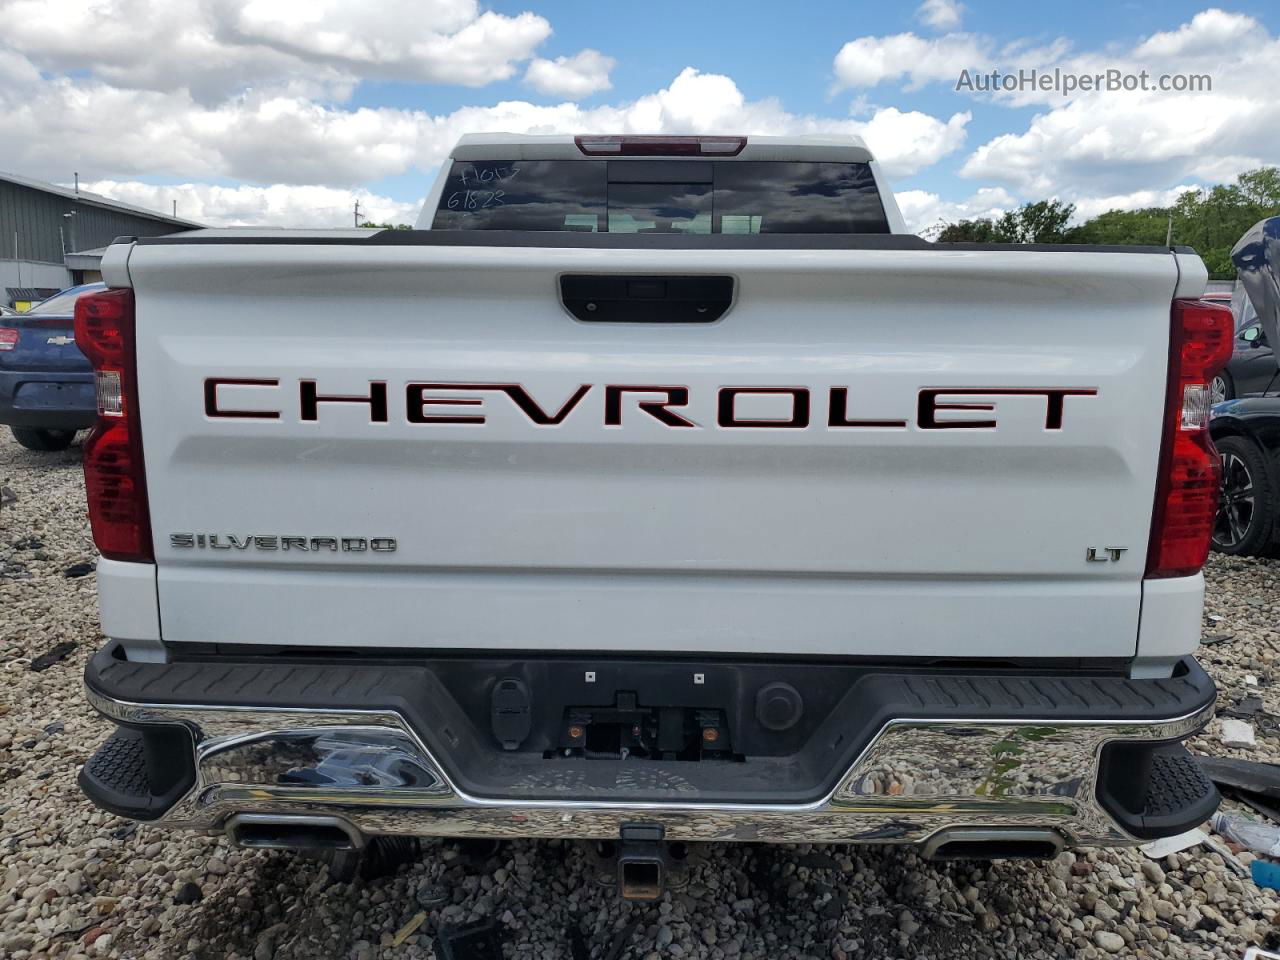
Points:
1168	237
175	209
356	213
77	176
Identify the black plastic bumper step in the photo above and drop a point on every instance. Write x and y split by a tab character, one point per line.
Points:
139	775
1177	796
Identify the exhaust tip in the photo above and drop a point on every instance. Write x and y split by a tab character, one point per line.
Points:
258	831
978	844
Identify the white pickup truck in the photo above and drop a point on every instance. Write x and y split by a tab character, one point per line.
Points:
653	489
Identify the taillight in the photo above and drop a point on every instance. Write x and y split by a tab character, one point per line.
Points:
8	338
650	146
113	473
1189	472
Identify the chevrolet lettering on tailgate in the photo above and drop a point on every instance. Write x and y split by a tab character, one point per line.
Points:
427	403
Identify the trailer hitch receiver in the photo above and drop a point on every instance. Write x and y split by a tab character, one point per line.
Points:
642	867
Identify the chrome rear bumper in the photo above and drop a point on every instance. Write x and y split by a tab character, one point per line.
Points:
916	778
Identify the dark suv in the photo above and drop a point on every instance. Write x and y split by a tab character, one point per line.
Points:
1252	370
1246	426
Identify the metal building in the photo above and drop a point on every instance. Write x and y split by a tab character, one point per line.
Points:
51	237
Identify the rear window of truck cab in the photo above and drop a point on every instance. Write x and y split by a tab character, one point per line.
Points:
661	196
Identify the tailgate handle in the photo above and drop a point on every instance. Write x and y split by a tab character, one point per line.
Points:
616	298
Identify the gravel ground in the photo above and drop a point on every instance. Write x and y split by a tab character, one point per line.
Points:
78	882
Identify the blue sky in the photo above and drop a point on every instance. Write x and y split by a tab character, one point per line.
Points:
284	112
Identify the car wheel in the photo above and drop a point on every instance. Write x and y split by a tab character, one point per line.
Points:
1222	388
1247	503
44	440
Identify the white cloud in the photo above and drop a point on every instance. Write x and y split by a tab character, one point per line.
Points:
940	14
1087	207
581	75
925	212
1213	32
218	48
917	61
62	127
284	205
59	125
908	142
1112	142
1118	142
868	61
439	41
1222	168
1104	142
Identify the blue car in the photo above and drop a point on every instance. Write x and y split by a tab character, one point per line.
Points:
46	384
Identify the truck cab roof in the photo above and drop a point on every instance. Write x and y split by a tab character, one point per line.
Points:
565	146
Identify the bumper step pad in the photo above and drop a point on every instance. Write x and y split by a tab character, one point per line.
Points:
1178	796
119	776
1178	791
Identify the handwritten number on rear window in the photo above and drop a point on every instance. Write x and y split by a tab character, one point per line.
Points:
475	199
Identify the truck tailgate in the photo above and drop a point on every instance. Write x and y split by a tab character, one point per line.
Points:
626	531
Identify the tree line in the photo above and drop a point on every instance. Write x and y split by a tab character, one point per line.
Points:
1210	220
